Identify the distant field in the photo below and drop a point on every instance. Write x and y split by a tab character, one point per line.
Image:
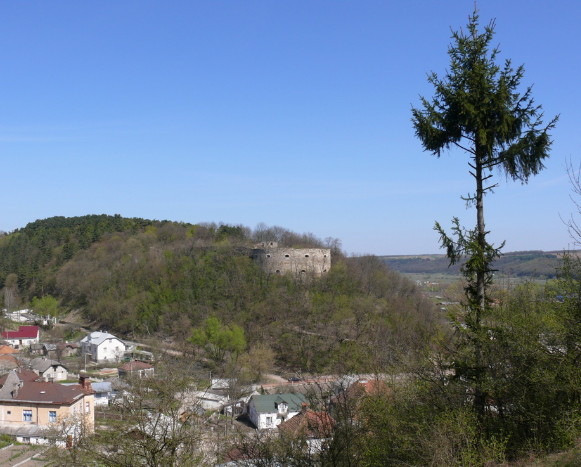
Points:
519	265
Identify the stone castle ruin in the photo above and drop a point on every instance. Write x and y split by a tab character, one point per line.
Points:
297	261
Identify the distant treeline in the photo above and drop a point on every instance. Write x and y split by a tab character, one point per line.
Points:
534	264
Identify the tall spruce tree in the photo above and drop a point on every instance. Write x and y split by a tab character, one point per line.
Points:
479	108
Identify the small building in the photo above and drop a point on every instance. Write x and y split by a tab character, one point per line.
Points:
136	369
103	347
315	427
269	411
49	370
24	337
21	316
192	400
60	350
103	393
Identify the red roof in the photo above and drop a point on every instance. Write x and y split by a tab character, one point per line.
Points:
309	423
24	332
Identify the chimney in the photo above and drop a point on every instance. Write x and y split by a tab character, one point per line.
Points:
84	382
304	407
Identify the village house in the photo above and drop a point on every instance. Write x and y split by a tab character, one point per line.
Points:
269	411
30	410
49	370
24	337
103	392
103	347
136	369
314	426
56	351
352	395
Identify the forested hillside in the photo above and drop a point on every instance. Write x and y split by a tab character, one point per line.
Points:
139	277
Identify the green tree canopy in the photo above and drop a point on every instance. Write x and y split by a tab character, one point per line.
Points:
217	339
479	108
45	306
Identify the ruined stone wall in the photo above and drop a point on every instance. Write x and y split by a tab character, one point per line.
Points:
315	261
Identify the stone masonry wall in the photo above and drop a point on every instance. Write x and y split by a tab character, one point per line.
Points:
274	260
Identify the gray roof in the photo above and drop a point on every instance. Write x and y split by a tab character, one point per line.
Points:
269	403
102	387
98	337
42	364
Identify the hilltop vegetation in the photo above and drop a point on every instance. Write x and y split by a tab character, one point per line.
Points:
158	278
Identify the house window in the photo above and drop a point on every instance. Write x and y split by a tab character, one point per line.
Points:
87	407
268	421
27	415
52	416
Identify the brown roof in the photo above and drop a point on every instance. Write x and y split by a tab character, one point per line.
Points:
17	389
367	387
48	393
361	388
6	349
23	374
309	423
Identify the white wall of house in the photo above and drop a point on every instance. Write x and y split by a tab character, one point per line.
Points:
56	374
110	350
103	347
264	421
16	343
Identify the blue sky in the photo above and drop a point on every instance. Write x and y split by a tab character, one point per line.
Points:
291	113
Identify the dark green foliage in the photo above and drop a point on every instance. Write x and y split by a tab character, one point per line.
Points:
504	363
478	108
38	249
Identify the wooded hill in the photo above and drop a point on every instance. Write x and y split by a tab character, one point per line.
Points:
532	264
159	278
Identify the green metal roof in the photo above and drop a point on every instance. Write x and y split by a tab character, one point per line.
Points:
269	403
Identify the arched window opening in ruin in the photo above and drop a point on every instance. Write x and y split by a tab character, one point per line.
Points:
278	271
306	256
286	256
268	256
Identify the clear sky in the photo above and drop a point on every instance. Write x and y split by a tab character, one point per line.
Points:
289	112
